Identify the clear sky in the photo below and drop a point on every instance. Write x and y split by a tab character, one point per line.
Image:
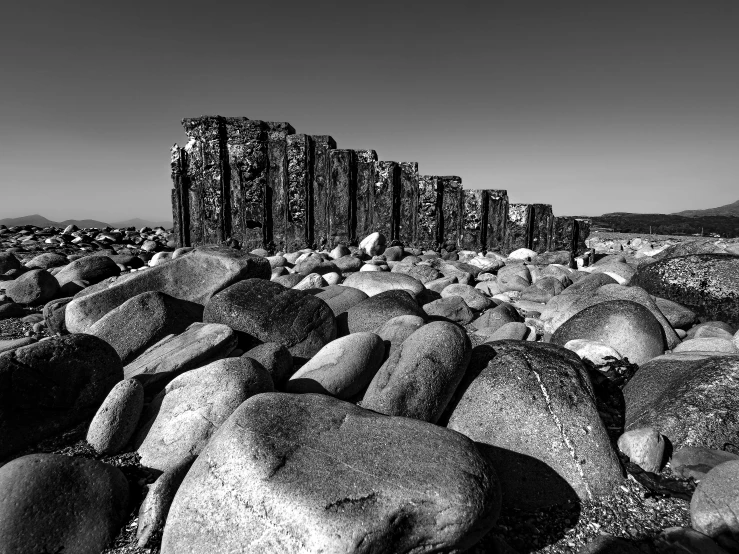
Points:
591	106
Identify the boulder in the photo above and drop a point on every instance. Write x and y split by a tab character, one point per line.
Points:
596	352
627	327
715	345
144	320
55	503
8	345
92	269
34	287
183	417
263	311
422	272
645	447
420	377
590	283
715	501
472	297
395	330
194	277
340	299
54	313
697	461
51	385
117	418
373	283
343	368
494	319
276	359
199	345
691	398
510	331
371	313
451	308
47	260
373	244
8	262
309	473
677	315
530	406
10	310
708	284
155	507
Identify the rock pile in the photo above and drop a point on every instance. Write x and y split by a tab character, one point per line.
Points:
367	399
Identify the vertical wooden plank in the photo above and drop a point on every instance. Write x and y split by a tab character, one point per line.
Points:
366	179
342	198
517	231
277	133
318	207
542	227
408	212
299	169
451	212
429	207
474	220
385	194
180	212
497	219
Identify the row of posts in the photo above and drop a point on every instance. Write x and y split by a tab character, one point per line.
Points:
264	185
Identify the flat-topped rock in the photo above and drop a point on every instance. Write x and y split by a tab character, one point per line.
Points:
373	283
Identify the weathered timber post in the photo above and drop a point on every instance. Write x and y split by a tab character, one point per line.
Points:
473	235
450	220
180	196
342	198
386	200
407	224
541	227
497	220
429	210
299	170
277	184
322	145
366	180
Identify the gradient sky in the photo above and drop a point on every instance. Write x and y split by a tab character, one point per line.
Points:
591	106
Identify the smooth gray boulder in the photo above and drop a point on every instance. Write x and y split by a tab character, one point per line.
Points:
32	288
92	269
420	377
116	419
375	282
276	359
715	502
531	408
52	385
373	312
289	474
182	418
55	503
195	277
263	311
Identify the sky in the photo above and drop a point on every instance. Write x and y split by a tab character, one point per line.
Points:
592	107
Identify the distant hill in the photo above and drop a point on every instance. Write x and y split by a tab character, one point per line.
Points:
41	221
669	224
728	210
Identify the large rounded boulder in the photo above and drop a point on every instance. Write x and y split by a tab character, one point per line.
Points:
308	473
531	409
264	311
373	312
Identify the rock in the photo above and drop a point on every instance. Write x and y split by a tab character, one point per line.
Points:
373	244
92	269
621	272
34	287
522	254
508	331
47	260
608	544
52	385
548	443
194	277
339	252
144	320
395	330
371	313
375	283
692	399
644	447
514	277
596	352
713	325
340	299
351	488
590	283
200	344
424	273
264	311
55	503
184	416
627	327
394	253
493	319
10	310
561	257
683	540
437	285
117	418
276	359
332	278
54	313
155	507
312	281
315	264
678	315
715	501
451	308
420	377
8	262
288	281
706	283
343	368
564	307
8	345
706	345
472	297
372	267
696	461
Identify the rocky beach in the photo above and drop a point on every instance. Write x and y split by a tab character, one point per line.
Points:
370	398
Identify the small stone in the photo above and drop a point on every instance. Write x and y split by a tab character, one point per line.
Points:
373	244
117	418
645	447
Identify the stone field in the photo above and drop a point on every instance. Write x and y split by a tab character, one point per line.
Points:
369	398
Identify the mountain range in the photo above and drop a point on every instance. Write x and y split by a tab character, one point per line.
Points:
41	221
729	210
